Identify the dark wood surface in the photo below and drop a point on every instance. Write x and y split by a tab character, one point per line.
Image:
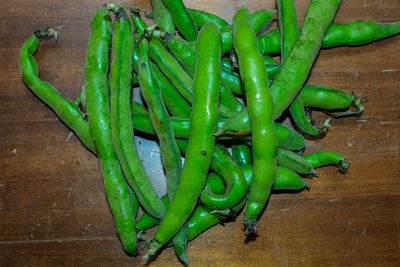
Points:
53	211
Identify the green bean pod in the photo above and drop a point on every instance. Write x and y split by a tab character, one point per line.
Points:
303	121
298	62
178	77
121	116
359	32
186	57
294	162
287	138
206	84
171	68
201	18
97	104
236	186
352	33
242	154
161	123
289	29
329	98
162	17
160	120
174	101
205	217
182	19
260	107
240	125
258	20
233	81
288	180
65	109
269	41
327	157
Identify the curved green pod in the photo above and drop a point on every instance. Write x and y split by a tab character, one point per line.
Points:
162	17
206	84
352	33
258	20
327	157
97	104
294	162
236	186
182	18
201	18
287	138
65	109
261	109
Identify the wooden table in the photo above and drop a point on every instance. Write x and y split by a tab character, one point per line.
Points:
52	207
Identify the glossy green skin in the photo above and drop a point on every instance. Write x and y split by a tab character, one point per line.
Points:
171	68
121	119
242	154
287	138
214	182
298	62
327	157
258	20
269	42
293	161
182	19
236	186
225	167
286	179
289	29
173	100
288	25
65	109
302	120
326	97
186	57
359	32
233	81
201	18
206	84
295	68
159	117
160	120
162	17
97	104
204	217
240	125
352	33
260	107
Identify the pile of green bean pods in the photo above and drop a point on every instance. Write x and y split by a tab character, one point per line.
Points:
212	92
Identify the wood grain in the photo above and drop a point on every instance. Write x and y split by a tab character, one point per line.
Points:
53	211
